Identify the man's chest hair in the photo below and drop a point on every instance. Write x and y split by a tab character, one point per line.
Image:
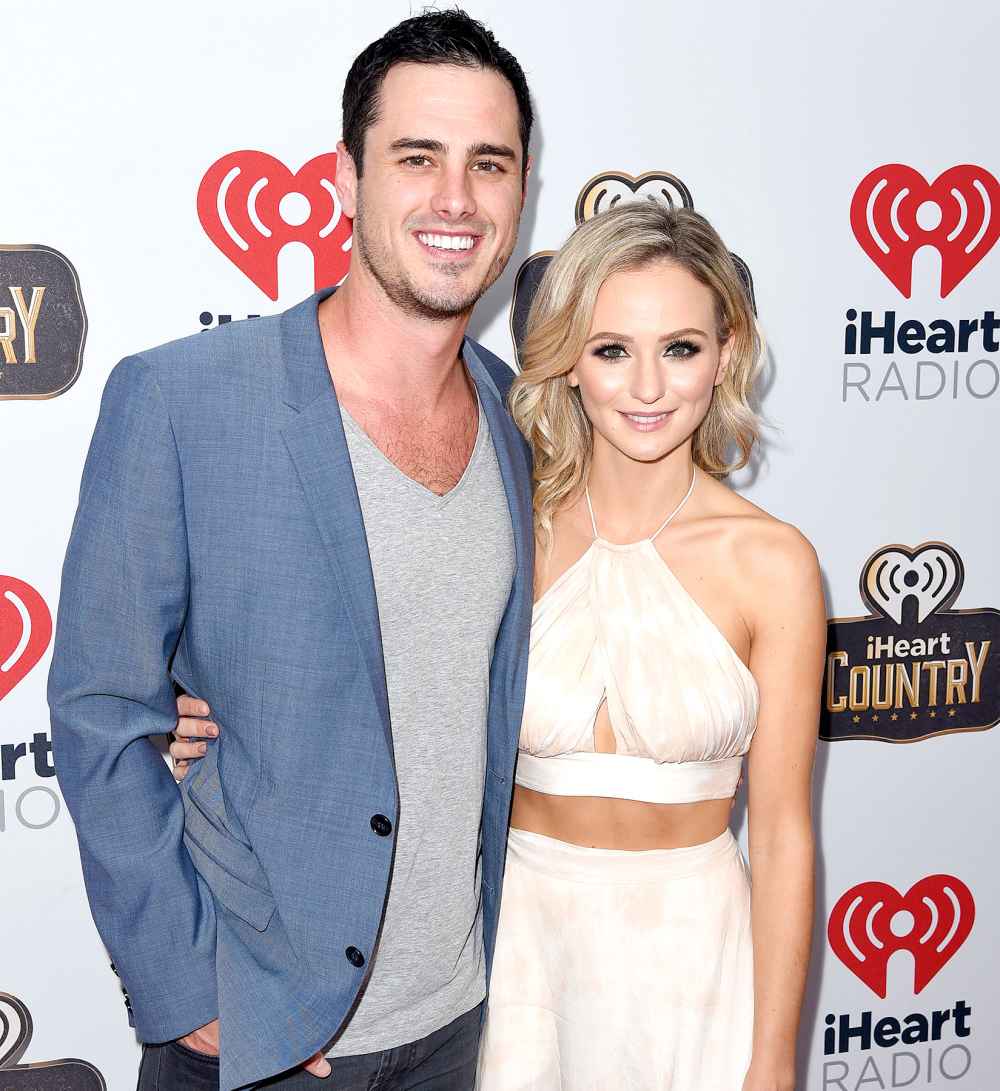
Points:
433	452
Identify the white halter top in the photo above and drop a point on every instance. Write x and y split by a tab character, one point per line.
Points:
618	626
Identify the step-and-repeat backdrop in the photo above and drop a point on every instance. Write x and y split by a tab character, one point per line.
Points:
165	172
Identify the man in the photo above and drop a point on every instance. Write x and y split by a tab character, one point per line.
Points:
320	525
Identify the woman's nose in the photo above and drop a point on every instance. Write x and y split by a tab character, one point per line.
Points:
647	380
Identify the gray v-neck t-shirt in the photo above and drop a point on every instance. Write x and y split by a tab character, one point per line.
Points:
443	568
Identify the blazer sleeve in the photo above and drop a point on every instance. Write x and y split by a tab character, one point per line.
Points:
121	610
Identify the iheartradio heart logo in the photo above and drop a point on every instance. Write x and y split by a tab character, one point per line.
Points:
251	205
895	211
606	190
863	930
25	631
932	575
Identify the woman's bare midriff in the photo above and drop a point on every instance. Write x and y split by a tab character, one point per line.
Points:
619	823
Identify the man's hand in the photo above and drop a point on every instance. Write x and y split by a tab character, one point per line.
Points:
203	1040
206	1040
318	1066
193	725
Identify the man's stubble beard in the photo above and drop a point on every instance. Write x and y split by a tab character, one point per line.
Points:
409	297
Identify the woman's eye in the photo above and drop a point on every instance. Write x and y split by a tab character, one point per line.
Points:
611	352
682	350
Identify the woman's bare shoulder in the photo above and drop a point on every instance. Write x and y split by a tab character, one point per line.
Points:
761	547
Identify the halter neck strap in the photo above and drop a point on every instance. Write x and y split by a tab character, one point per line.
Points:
590	508
666	522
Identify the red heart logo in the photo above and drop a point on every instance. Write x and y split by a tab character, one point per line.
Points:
861	934
239	206
25	631
964	202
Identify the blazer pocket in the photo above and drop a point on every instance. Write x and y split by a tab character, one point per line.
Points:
229	867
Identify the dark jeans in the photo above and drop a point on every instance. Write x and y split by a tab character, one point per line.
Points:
443	1061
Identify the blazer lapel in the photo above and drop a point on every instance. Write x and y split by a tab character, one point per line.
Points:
510	659
318	448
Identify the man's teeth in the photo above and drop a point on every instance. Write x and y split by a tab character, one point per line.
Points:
448	242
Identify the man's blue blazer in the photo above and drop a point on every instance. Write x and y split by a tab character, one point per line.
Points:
219	544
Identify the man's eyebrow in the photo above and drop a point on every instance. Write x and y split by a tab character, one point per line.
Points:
424	144
417	143
499	151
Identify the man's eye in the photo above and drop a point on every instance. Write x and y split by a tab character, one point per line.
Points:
489	166
416	160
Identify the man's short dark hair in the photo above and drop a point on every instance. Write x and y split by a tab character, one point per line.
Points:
435	37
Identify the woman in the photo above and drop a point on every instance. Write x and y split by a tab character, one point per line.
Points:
677	627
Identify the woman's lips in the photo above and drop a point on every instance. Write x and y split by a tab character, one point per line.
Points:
646	422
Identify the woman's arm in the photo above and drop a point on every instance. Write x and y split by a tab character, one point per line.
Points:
788	642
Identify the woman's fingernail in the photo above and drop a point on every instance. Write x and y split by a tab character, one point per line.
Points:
212	730
204	710
202	747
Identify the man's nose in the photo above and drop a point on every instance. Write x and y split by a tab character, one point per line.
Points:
453	197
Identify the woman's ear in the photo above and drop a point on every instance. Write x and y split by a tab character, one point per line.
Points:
725	353
571	378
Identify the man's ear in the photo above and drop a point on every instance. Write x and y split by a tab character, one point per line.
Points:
524	182
725	353
346	182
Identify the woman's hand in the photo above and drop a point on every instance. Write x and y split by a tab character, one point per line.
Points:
769	1079
193	725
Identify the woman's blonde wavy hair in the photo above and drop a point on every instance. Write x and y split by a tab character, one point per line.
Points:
549	411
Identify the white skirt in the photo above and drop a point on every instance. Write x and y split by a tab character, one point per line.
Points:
620	971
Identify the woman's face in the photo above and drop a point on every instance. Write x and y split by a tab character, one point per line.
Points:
651	361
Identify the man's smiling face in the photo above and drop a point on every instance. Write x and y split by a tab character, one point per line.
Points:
437	207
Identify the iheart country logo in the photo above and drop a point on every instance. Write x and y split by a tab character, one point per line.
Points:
251	205
69	1074
915	667
895	211
43	322
25	631
872	921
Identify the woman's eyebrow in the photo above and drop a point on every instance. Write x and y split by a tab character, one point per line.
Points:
605	335
665	337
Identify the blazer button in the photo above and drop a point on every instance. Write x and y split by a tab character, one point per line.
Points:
355	957
381	825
